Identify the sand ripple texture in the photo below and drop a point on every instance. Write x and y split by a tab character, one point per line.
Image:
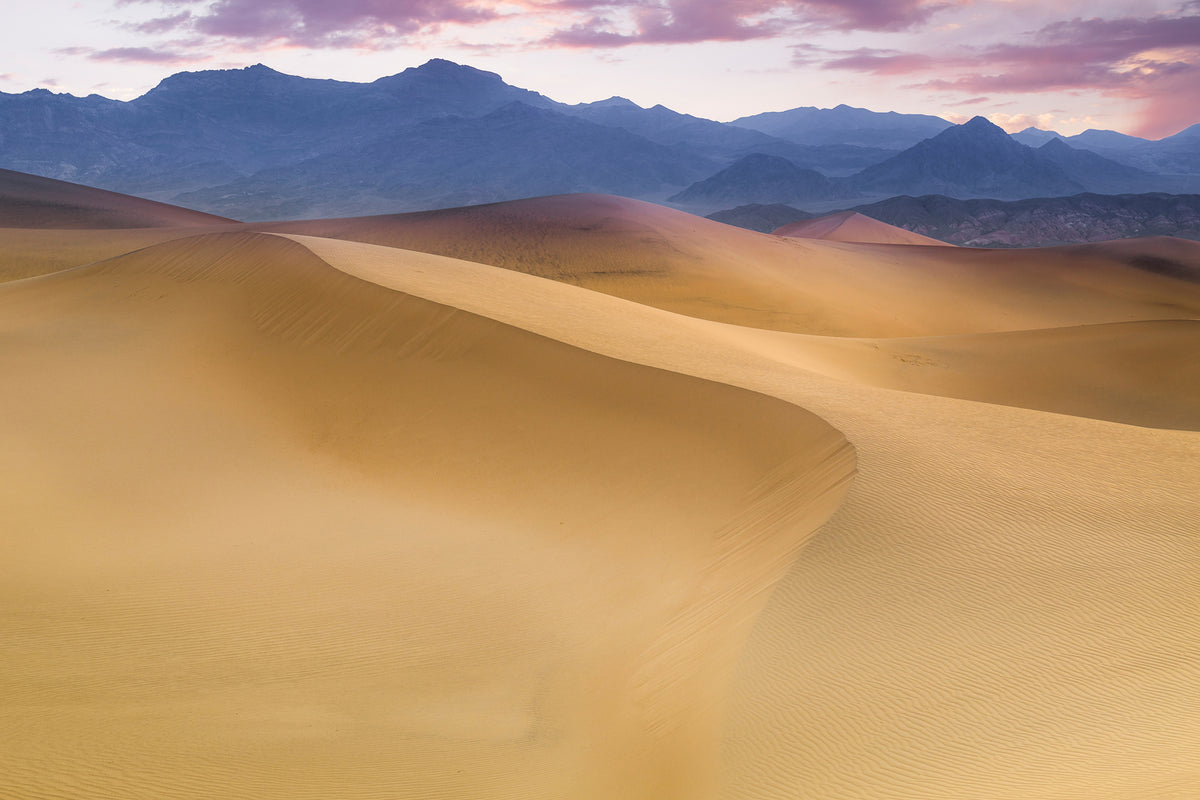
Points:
533	508
273	530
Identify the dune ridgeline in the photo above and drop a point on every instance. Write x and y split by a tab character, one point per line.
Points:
583	497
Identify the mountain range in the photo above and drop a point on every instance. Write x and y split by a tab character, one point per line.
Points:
255	143
846	125
1035	222
1173	155
973	160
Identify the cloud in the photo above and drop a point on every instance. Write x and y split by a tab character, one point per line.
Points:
574	23
881	62
1155	60
616	24
157	25
316	23
1019	122
142	55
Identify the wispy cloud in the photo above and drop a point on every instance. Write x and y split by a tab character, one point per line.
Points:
145	55
141	55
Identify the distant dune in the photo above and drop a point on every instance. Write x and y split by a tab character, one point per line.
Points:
850	226
48	225
585	497
675	261
30	201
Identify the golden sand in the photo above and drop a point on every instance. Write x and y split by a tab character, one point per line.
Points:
537	512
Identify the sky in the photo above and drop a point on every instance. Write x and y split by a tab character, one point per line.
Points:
1064	65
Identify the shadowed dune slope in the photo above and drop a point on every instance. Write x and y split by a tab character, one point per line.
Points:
850	226
675	261
273	530
31	201
1003	606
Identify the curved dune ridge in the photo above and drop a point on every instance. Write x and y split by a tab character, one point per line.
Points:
850	226
1003	607
519	501
279	531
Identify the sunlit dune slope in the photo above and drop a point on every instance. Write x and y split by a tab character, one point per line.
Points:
31	201
272	530
1003	607
850	226
682	263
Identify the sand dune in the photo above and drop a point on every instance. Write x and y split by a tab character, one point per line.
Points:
850	226
277	531
31	201
531	513
29	252
1003	607
665	258
48	225
1141	373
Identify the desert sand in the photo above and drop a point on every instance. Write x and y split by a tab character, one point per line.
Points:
584	497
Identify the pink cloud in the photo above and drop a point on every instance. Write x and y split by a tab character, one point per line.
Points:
1155	60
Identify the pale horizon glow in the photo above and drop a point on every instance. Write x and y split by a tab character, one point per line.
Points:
1126	65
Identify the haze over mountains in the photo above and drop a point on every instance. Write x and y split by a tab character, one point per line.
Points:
255	143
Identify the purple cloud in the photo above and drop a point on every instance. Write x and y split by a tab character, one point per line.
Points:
153	27
584	23
678	21
317	23
144	55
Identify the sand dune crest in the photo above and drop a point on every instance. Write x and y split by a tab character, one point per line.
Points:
1010	582
310	536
